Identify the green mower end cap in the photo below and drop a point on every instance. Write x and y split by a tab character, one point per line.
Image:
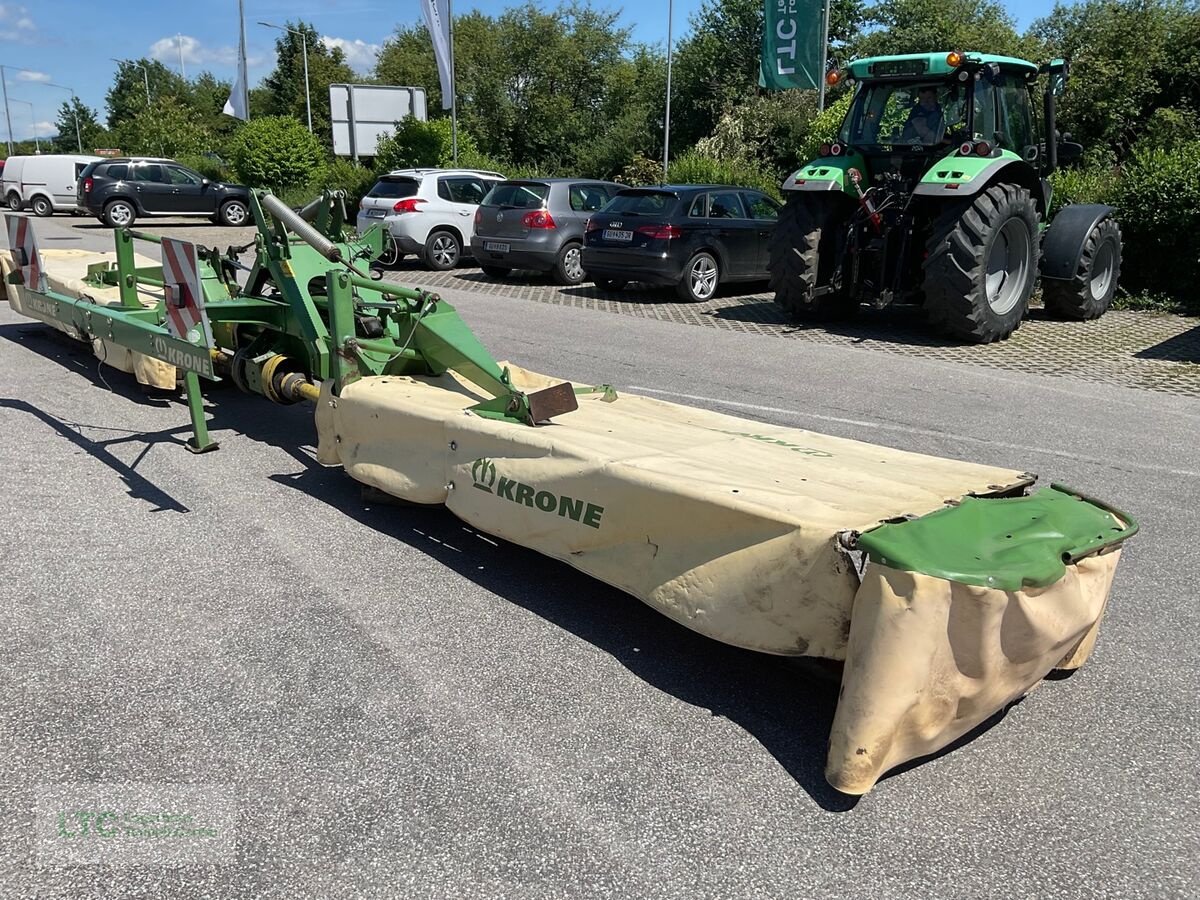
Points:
1007	543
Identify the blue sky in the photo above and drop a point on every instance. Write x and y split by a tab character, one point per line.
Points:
70	42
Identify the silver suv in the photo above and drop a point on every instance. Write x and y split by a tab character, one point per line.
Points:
427	212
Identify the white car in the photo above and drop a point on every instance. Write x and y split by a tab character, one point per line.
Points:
46	184
427	212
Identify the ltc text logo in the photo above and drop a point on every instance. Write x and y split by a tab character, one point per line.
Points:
483	473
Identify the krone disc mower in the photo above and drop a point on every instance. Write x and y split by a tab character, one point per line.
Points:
947	589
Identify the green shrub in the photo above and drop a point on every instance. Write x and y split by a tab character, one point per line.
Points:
210	168
1157	195
348	176
641	171
278	152
770	128
695	168
824	128
417	144
1080	184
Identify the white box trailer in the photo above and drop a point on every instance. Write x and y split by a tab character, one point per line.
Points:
45	183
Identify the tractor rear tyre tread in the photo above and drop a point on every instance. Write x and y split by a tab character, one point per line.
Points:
956	264
801	255
1076	298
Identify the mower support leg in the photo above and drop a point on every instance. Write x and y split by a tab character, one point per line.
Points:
199	442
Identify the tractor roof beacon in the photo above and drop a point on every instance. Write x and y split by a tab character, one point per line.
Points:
935	192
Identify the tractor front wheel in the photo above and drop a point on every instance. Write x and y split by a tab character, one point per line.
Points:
803	256
980	264
1088	294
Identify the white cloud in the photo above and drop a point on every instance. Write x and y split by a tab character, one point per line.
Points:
27	75
360	55
167	50
15	22
45	131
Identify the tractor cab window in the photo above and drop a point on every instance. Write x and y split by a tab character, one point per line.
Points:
1016	121
984	123
925	115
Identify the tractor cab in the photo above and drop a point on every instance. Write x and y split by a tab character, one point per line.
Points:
910	111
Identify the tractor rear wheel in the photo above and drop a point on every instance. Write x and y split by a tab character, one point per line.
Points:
1088	294
980	264
803	256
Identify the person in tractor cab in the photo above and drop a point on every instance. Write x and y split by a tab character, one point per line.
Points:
925	120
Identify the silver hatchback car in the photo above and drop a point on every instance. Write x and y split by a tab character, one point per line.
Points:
427	212
538	223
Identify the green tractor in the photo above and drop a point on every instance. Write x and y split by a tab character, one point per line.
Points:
935	193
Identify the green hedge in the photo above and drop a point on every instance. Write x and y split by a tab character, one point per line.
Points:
278	152
1157	196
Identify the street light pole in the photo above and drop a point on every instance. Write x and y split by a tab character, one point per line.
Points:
74	110
37	144
7	114
145	74
304	52
179	44
667	120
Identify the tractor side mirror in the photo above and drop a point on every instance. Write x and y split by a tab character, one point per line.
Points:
1069	152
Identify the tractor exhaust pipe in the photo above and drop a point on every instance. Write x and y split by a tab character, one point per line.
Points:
1051	135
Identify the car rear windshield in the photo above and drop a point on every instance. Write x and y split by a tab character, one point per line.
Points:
88	170
394	188
644	203
518	195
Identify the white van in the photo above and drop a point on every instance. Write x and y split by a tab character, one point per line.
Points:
45	184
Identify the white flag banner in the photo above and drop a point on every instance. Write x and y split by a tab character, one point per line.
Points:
437	18
238	104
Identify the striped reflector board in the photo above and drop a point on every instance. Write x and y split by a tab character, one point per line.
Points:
186	318
23	246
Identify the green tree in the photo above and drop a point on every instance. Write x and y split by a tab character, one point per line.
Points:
207	96
92	134
1130	60
127	96
560	89
285	84
167	128
717	65
924	26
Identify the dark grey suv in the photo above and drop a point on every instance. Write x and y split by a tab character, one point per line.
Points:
117	191
537	223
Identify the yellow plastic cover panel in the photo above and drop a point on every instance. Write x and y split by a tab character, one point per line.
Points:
726	525
65	274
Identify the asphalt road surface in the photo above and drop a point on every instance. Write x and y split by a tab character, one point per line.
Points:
400	706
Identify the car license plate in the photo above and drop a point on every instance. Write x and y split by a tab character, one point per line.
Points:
610	235
375	213
495	247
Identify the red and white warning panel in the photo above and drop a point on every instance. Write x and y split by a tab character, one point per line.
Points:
23	245
184	307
